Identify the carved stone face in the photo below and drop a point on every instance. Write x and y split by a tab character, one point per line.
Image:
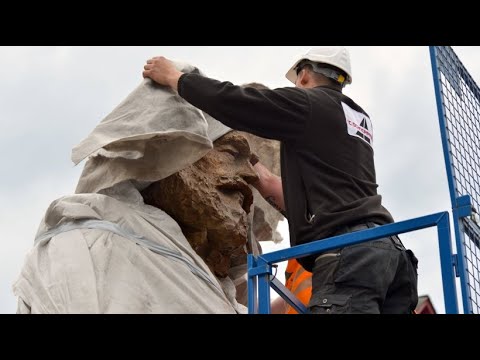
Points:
210	200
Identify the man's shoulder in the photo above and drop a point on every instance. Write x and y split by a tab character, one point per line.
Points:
294	94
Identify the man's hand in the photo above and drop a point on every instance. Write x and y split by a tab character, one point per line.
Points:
162	71
269	186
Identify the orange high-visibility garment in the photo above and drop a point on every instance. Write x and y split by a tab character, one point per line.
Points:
299	282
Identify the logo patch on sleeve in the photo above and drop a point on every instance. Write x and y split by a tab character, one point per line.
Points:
358	124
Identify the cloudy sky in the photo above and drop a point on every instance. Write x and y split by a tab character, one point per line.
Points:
52	97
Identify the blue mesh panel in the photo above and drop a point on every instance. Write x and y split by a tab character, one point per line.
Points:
460	102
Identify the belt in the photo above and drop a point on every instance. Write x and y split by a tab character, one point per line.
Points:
368	225
357	227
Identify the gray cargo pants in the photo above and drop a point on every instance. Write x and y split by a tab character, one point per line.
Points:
375	277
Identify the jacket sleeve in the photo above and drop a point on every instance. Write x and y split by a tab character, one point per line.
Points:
279	114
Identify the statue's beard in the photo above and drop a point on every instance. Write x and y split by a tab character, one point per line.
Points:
212	217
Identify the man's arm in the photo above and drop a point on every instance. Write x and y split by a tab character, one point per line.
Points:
270	187
279	114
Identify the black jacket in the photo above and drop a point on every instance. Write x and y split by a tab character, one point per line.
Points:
327	164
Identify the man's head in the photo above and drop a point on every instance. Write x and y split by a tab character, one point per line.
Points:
210	200
329	65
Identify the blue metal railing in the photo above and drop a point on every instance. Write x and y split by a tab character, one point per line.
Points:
458	107
260	267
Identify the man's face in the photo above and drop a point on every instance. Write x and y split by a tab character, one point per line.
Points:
210	200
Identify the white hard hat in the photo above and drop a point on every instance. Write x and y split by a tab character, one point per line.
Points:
333	55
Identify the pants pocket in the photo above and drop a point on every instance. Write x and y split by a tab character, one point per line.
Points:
330	304
413	260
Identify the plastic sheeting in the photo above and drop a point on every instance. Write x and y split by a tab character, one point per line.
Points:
152	134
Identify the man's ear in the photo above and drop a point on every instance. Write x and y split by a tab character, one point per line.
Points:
304	77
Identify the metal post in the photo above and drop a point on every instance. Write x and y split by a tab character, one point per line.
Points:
264	286
252	286
461	267
446	262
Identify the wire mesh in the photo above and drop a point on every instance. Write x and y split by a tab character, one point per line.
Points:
460	101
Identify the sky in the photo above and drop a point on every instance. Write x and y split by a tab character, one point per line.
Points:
52	97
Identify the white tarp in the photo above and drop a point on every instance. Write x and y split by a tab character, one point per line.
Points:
75	268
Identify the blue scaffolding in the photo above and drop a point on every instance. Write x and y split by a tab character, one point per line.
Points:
458	107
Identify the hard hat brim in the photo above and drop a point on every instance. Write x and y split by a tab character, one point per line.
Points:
291	74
